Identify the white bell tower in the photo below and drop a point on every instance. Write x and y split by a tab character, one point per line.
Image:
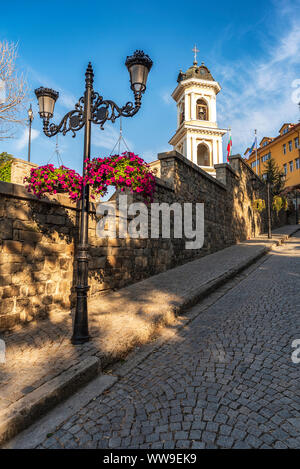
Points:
198	137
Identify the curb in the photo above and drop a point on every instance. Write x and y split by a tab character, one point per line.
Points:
31	407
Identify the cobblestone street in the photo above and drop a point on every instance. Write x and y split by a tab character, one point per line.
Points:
225	381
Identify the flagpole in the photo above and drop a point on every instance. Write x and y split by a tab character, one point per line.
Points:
256	150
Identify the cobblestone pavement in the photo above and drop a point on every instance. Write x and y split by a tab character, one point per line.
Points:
225	381
41	350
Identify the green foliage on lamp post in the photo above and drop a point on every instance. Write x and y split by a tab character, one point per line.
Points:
279	203
259	205
5	166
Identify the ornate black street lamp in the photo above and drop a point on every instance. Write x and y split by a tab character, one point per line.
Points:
91	108
30	119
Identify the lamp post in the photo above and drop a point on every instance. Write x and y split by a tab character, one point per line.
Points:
30	119
91	108
255	184
269	209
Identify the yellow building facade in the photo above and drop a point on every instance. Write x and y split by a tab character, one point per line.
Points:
285	149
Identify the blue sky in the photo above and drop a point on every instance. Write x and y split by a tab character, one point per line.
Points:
252	49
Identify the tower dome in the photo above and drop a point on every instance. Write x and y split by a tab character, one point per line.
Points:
194	71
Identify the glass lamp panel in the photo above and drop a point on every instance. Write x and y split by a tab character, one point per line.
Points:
138	76
41	104
48	105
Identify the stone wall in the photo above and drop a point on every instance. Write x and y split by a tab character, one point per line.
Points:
38	237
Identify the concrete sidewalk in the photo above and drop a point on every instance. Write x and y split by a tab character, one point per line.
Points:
42	367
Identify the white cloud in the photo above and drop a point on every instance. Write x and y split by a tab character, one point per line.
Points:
22	141
261	94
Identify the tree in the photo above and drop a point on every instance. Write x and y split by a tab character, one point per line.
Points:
275	176
13	89
5	166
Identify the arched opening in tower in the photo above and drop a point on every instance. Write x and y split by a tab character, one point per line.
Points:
202	110
203	157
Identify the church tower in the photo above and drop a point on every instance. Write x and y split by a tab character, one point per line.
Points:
198	137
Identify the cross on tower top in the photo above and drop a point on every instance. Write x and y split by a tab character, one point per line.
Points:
195	50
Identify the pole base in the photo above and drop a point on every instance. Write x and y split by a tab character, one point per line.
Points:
80	339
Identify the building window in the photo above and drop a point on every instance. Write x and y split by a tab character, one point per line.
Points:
264	176
285	169
181	113
291	166
290	145
253	164
297	160
285	130
266	157
297	142
284	148
202	110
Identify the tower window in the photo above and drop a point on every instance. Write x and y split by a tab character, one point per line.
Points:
201	110
181	114
203	157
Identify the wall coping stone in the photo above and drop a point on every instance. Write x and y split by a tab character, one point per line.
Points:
20	160
18	191
174	154
227	166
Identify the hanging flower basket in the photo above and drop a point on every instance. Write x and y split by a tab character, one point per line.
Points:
126	171
51	180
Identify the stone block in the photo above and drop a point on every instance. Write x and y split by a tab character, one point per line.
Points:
11	291
56	219
7	258
7	306
29	236
10	268
25	225
5	280
6	229
97	262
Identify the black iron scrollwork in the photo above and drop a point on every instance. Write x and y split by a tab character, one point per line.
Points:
72	121
102	111
105	110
